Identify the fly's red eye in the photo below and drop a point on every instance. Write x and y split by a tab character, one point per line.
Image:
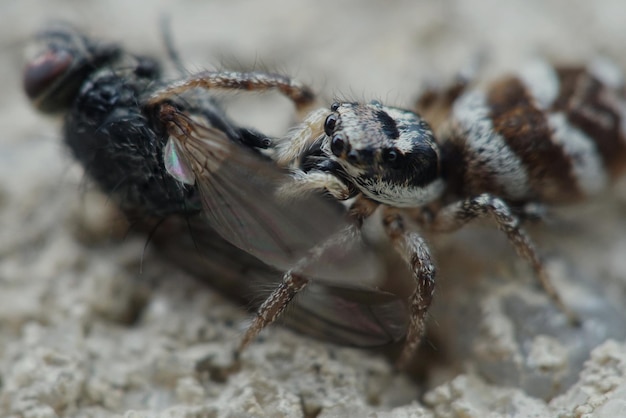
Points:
44	70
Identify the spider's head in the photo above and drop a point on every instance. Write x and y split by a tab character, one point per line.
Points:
64	60
389	153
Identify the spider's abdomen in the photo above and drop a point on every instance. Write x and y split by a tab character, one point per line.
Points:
554	135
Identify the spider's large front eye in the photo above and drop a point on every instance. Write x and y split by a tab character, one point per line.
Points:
329	124
337	145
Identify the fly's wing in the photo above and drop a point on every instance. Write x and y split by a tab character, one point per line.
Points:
238	190
357	316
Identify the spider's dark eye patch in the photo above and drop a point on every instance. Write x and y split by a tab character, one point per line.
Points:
329	124
388	125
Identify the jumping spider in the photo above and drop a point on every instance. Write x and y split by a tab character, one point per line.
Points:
545	136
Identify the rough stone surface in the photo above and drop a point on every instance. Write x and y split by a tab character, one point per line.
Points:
84	333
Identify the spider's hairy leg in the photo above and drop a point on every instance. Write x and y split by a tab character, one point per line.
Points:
299	139
301	95
289	151
274	306
293	282
415	253
314	181
456	215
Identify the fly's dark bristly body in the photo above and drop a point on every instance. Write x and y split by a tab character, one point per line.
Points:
102	90
165	149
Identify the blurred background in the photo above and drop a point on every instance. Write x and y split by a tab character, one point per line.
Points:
361	50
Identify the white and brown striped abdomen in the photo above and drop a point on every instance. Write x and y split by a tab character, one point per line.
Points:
554	135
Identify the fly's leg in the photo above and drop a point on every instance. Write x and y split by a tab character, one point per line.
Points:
456	215
415	253
298	93
294	282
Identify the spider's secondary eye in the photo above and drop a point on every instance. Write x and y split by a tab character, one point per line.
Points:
335	106
329	124
391	157
337	145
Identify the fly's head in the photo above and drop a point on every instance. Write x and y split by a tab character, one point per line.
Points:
390	154
65	58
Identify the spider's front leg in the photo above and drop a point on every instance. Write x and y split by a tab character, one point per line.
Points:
305	183
415	253
456	215
311	169
274	306
257	81
294	281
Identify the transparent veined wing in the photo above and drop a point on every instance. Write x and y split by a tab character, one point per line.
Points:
343	314
238	189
